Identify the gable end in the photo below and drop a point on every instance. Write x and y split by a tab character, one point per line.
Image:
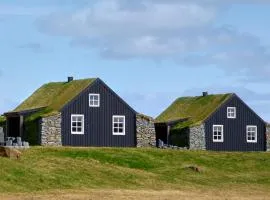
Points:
98	80
81	93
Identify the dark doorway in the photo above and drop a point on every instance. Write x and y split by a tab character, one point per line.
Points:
13	127
161	132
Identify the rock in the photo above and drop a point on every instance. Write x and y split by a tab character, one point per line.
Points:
25	144
10	152
9	143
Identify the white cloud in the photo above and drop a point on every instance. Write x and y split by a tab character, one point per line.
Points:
180	30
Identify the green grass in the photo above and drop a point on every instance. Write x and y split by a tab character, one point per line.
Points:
54	95
41	169
196	109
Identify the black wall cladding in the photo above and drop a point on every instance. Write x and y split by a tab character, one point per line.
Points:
235	129
98	120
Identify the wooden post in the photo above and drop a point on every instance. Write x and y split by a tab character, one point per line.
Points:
168	134
7	131
21	126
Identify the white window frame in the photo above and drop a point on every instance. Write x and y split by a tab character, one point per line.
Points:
124	124
256	134
222	133
82	126
93	101
229	114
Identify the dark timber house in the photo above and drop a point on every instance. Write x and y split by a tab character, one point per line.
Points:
82	112
220	122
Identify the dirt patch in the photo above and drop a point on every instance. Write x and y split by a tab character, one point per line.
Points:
140	194
10	152
194	168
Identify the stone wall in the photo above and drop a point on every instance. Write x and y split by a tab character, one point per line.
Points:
268	137
51	131
197	138
145	131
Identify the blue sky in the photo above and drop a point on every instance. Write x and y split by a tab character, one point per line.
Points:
149	51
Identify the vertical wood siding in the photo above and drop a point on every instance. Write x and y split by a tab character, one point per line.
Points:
98	120
235	129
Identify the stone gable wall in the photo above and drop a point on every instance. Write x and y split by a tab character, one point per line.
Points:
51	131
268	137
145	131
197	138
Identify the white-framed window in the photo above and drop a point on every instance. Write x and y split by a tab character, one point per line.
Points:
77	124
94	100
251	134
231	112
218	133
118	125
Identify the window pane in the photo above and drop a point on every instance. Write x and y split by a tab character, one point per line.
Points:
73	129
115	130
121	119
115	125
79	124
116	119
79	129
120	130
121	125
73	123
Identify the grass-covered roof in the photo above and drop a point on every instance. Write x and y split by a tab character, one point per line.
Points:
194	109
53	96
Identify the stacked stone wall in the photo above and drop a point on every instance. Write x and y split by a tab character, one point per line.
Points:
51	131
145	131
197	138
268	137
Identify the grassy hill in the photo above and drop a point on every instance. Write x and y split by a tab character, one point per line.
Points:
43	169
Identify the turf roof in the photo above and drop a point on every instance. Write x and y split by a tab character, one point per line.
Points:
196	109
53	96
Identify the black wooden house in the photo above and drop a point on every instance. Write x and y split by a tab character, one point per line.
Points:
82	112
213	122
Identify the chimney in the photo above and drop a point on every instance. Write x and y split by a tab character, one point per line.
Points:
70	78
205	94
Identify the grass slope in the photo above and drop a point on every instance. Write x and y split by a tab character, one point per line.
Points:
43	169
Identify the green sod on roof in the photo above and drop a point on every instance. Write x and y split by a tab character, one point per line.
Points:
54	95
196	109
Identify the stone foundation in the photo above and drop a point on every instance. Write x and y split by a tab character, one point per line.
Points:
145	131
51	131
268	137
197	138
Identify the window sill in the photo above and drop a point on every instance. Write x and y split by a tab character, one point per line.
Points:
119	134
